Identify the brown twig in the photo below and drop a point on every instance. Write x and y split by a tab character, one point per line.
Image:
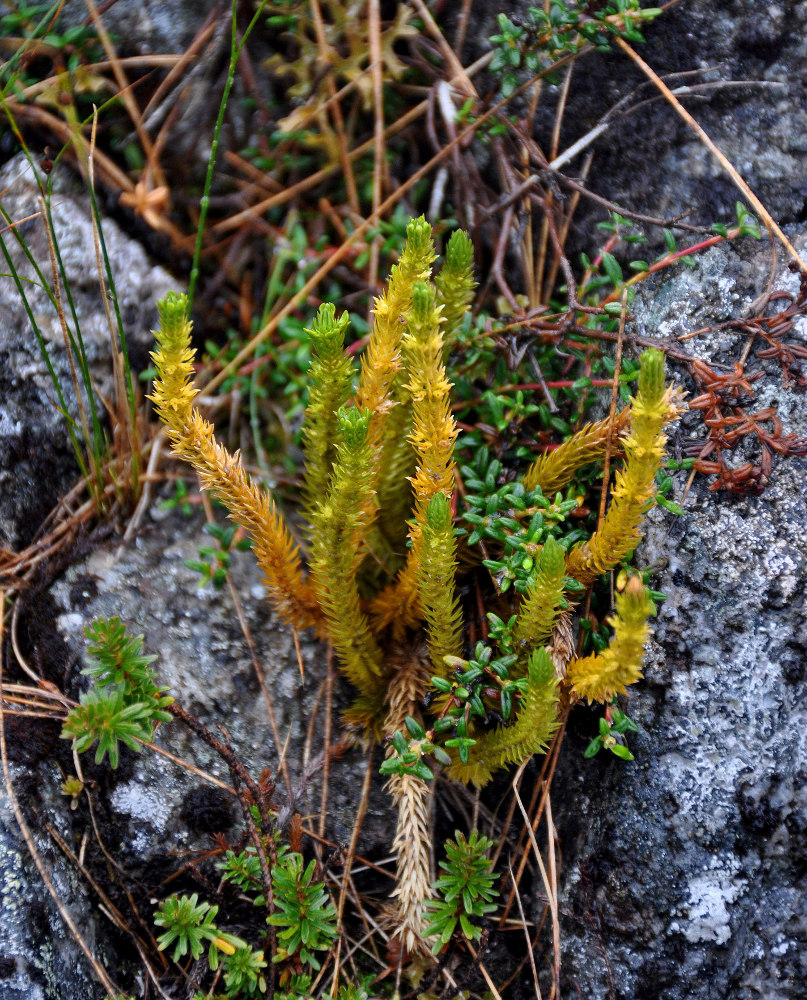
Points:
730	169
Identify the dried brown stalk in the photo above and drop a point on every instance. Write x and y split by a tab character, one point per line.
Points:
411	796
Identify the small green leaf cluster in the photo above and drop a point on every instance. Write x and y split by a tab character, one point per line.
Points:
477	351
605	275
284	16
596	637
628	374
190	927
125	702
21	21
465	890
487	129
616	224
179	499
244	870
243	972
408	756
514	415
298	987
746	223
593	638
304	909
664	483
305	912
214	562
613	727
480	687
502	412
514	412
518	519
545	36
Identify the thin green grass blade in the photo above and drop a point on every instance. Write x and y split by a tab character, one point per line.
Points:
98	444
127	370
235	52
18	281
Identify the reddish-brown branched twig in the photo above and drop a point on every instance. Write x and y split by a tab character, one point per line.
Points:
724	401
772	328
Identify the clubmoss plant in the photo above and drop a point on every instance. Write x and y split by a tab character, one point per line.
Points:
383	588
125	703
464	890
305	915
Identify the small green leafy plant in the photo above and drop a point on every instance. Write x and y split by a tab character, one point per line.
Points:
190	927
565	28
464	892
125	703
213	563
301	909
613	726
304	912
179	499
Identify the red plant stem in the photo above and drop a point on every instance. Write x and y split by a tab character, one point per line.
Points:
671	259
564	383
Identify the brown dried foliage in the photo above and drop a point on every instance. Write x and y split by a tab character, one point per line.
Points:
724	403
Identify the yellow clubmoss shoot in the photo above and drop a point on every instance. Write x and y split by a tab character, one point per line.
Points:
541	604
173	390
555	469
331	374
380	379
604	675
529	734
192	438
433	428
381	361
436	585
634	487
339	528
433	434
455	285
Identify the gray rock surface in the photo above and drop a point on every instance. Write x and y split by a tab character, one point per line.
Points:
37	463
156	814
205	660
745	83
144	26
41	960
687	867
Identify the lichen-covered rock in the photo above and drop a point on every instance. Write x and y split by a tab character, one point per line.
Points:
37	463
40	960
684	874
